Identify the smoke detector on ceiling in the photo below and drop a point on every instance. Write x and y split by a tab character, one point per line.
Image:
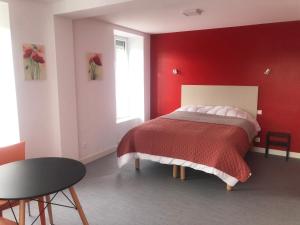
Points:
192	12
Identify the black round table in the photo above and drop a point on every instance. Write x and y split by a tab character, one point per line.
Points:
34	178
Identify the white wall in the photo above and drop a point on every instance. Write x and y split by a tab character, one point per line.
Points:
147	81
32	22
66	87
98	131
83	8
67	115
47	109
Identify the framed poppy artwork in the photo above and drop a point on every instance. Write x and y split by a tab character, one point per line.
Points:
94	61
34	62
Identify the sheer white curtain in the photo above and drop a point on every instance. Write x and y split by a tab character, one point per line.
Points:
9	125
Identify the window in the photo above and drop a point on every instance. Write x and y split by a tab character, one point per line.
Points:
129	74
9	126
122	79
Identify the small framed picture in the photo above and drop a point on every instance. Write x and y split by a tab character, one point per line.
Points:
94	61
34	62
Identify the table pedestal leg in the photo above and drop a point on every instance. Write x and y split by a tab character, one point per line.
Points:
42	211
78	206
22	212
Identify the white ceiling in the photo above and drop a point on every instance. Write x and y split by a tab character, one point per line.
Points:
163	16
48	0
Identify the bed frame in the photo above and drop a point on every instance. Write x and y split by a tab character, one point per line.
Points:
243	97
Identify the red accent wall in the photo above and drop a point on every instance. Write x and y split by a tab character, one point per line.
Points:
233	56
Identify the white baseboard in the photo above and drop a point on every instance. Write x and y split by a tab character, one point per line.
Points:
295	155
97	155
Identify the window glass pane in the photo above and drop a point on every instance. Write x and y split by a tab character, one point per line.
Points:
120	44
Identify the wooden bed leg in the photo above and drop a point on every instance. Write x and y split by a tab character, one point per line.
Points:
182	173
137	164
175	171
229	188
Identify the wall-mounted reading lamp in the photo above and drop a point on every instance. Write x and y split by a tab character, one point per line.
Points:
267	71
175	71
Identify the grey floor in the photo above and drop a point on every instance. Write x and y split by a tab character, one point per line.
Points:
112	196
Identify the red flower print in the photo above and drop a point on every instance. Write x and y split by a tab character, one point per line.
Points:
41	60
97	60
36	57
27	53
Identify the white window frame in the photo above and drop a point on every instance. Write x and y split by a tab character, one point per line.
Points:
124	39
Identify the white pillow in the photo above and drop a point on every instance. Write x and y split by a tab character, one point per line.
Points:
229	111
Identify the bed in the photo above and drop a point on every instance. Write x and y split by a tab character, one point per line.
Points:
212	131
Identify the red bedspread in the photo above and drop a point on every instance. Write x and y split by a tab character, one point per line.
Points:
219	146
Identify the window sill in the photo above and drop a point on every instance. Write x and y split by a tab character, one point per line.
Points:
125	119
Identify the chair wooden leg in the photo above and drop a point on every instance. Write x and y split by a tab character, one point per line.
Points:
42	211
175	171
229	188
182	173
29	210
22	212
137	164
78	206
49	209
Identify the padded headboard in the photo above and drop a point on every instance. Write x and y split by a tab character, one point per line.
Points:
244	97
